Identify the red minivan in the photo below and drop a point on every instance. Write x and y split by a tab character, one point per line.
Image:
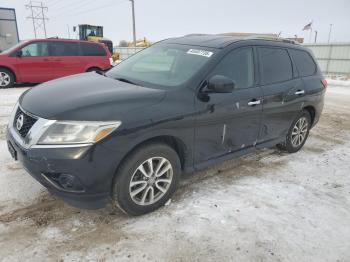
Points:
40	60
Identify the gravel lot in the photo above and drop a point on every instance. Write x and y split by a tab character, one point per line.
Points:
268	206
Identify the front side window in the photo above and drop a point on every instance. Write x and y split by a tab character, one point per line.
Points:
36	49
163	65
276	65
239	66
64	49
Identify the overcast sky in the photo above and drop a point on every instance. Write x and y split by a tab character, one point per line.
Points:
159	19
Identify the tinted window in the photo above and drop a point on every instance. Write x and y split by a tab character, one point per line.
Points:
92	49
64	49
304	62
239	66
36	49
276	65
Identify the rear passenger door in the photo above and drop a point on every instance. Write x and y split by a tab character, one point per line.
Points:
307	70
282	91
65	58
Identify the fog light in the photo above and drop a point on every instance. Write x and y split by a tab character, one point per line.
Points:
66	182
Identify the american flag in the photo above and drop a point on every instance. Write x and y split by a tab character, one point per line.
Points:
308	27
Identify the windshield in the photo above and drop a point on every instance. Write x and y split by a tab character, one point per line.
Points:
162	65
9	50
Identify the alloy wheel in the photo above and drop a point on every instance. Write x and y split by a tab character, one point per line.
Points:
299	132
151	181
5	79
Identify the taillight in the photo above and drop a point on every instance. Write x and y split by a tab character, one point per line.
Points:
324	83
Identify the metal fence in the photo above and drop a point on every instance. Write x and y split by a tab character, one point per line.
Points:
125	52
334	58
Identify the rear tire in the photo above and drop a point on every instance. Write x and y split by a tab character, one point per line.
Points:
7	78
94	69
298	133
147	179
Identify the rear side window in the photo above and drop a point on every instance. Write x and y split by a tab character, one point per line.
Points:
64	49
239	66
304	62
89	49
276	65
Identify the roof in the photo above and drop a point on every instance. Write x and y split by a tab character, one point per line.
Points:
221	41
243	35
213	41
56	39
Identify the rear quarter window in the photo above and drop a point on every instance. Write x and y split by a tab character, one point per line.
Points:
304	62
90	49
275	65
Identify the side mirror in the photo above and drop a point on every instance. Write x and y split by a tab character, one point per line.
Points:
19	53
220	84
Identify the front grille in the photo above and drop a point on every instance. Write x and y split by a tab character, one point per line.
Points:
28	122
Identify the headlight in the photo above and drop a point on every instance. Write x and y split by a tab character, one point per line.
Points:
72	132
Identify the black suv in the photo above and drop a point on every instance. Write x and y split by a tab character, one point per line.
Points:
178	106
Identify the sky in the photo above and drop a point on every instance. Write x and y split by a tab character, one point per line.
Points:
159	19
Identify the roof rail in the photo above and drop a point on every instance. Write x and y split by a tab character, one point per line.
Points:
276	39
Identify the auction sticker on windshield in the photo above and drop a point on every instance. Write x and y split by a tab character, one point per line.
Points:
200	52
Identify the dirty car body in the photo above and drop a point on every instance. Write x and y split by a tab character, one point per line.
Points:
196	114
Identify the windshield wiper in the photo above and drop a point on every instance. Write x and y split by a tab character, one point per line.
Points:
125	80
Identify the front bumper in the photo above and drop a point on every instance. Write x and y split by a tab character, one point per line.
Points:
94	167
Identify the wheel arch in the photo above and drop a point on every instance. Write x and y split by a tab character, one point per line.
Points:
312	112
175	143
11	70
93	67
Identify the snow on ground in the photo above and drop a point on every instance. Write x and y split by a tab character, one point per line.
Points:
336	82
267	206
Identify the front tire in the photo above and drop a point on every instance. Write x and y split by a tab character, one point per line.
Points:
298	133
147	179
7	78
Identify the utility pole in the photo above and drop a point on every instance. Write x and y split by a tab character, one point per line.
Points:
43	17
133	21
38	17
330	32
68	31
316	36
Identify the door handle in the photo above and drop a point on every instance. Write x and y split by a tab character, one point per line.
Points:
300	92
254	102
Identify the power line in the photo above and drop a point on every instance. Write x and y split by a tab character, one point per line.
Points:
91	10
54	2
37	11
71	7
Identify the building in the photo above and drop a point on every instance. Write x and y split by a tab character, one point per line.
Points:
8	28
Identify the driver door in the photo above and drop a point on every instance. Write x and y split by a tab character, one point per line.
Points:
229	122
35	63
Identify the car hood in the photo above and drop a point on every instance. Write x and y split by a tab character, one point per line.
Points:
88	97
